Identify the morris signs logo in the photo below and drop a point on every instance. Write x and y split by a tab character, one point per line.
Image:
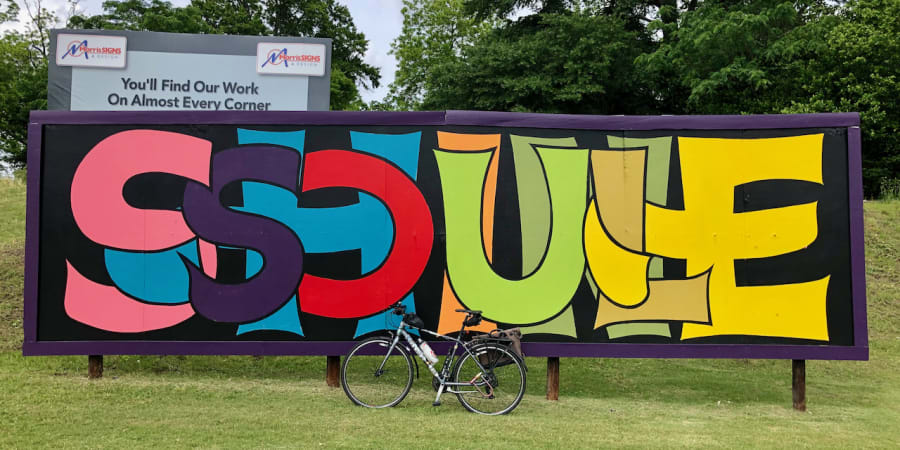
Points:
90	50
290	59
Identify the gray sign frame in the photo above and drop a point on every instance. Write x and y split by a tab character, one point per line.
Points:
59	78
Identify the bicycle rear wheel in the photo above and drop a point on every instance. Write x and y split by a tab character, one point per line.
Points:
373	377
498	388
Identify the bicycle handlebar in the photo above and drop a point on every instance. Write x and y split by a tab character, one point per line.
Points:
472	319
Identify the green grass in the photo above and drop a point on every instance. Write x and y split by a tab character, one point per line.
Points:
12	254
240	402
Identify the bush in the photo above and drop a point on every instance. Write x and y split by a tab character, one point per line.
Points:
890	188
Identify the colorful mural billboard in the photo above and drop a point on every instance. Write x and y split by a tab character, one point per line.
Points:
292	233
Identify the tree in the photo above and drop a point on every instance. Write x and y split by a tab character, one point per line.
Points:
732	57
243	17
434	33
311	18
572	61
144	15
503	8
778	56
23	77
858	69
325	18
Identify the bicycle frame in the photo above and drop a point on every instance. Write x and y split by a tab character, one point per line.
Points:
444	375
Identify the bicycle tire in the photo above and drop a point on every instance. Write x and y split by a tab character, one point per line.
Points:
501	390
364	386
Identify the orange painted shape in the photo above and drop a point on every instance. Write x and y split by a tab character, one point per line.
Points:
487	216
467	142
450	320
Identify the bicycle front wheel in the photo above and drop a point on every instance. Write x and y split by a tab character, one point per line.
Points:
375	375
497	378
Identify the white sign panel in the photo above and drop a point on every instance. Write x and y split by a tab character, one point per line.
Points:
186	81
290	59
84	50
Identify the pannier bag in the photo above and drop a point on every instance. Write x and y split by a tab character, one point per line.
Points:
511	338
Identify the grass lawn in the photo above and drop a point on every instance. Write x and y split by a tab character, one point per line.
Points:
239	402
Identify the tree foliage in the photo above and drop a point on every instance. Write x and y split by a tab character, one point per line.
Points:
433	34
23	76
325	18
561	63
243	17
779	56
144	15
734	57
858	69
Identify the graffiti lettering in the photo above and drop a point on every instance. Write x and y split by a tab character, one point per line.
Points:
641	235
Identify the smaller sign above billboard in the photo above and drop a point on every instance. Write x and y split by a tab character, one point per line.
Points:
177	71
179	81
84	50
280	58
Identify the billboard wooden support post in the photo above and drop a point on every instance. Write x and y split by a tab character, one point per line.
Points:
798	386
553	378
332	371
95	366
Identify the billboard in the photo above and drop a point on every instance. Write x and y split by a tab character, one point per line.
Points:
114	70
292	233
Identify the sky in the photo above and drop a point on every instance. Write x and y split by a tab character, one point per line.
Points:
380	20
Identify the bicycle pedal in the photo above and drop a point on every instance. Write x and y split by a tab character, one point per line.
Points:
436	404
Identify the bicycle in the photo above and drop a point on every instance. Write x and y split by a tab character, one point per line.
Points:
488	377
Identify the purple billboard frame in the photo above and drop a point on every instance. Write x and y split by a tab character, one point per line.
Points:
859	350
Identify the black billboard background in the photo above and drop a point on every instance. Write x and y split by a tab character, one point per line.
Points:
64	146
